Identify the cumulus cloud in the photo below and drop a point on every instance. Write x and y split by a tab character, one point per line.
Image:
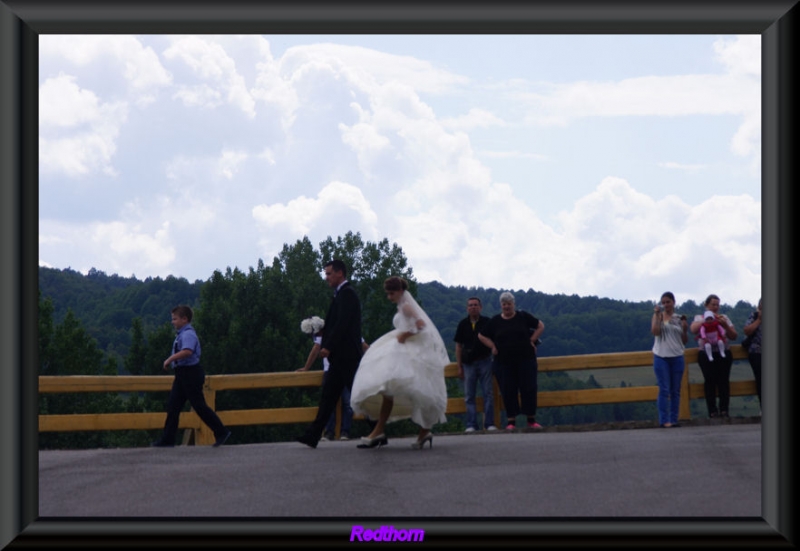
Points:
77	132
125	248
139	65
342	138
512	155
614	242
740	55
370	69
475	118
216	70
337	204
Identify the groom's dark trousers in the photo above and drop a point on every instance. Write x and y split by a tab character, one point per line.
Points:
342	338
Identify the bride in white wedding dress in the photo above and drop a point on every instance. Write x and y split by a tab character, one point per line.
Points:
401	375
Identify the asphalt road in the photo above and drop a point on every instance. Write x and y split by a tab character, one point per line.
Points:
692	471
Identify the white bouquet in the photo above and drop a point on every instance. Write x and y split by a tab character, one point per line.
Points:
312	325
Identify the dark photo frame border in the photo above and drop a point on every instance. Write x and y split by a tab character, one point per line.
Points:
22	21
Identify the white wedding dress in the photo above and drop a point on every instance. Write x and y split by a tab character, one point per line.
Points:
411	372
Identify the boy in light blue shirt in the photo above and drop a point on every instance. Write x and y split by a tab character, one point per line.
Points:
188	383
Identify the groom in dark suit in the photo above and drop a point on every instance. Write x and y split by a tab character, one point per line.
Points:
341	344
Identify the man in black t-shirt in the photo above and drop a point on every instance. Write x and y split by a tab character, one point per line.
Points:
474	361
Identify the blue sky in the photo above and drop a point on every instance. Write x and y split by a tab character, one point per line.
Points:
615	166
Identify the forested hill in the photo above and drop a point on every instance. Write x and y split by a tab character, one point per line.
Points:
573	324
106	305
249	322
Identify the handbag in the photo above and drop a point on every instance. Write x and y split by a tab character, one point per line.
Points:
748	340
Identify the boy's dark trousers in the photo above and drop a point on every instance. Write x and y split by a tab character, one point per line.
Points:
188	385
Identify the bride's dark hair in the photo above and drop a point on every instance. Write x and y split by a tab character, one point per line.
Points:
395	283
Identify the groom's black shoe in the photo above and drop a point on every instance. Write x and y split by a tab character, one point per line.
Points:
307	440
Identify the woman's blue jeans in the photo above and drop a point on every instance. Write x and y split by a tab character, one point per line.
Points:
669	372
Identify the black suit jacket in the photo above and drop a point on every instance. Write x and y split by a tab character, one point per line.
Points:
342	333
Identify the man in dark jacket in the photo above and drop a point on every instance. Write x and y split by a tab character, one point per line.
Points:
341	344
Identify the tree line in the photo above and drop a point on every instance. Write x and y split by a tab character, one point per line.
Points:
249	322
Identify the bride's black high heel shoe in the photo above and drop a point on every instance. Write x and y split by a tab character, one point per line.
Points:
420	444
376	442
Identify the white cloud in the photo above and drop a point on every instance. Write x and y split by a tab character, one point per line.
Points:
115	247
129	241
77	134
475	118
369	69
615	242
229	163
139	65
201	95
346	138
740	55
62	103
367	141
662	96
273	88
512	155
210	63
338	204
646	246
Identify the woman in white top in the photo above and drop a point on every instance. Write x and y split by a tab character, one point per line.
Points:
670	332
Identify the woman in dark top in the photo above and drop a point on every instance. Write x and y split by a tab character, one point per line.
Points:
512	336
752	330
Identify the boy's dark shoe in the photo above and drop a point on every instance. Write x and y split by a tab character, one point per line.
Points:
161	444
307	440
222	439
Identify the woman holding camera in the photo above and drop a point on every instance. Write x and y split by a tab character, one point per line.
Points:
670	332
717	372
752	330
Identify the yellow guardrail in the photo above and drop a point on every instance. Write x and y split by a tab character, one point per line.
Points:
250	381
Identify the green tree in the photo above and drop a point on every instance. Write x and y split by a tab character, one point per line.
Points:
158	348
72	351
135	360
75	352
46	334
369	264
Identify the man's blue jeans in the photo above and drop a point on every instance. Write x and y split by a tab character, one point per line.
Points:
480	370
669	372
